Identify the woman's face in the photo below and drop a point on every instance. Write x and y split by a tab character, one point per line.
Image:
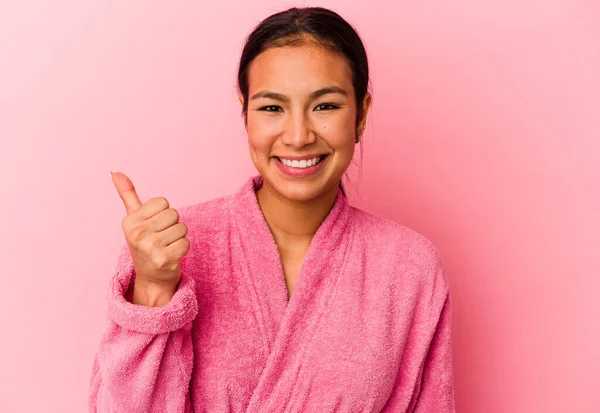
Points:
288	117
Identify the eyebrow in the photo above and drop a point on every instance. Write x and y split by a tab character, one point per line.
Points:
314	95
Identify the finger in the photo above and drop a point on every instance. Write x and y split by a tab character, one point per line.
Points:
162	219
126	191
178	249
172	234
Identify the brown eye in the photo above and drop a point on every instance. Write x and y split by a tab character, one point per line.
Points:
270	106
329	105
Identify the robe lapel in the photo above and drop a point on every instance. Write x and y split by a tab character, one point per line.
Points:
288	326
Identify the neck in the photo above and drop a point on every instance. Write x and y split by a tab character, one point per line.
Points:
294	223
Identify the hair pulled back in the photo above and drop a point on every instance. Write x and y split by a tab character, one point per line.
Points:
307	25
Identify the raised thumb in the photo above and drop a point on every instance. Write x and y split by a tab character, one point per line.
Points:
126	191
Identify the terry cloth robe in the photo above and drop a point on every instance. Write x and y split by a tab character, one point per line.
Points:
367	327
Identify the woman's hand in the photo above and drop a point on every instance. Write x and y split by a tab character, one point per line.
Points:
157	243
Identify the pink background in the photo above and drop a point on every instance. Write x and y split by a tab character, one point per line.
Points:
483	136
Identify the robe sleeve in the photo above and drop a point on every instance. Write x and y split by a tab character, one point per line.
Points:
145	357
436	393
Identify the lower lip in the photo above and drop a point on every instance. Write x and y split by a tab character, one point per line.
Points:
300	172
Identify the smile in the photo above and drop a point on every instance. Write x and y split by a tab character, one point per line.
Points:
304	168
305	163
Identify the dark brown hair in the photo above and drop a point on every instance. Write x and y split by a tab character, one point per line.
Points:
298	26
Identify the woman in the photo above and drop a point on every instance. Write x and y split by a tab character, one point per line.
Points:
281	296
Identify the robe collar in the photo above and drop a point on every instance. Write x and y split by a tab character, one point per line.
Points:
263	270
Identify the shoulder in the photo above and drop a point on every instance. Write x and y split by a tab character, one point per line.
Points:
398	246
206	217
398	237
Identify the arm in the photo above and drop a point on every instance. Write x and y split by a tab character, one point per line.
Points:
144	361
436	393
424	383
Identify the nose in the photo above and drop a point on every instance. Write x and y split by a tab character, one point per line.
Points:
298	131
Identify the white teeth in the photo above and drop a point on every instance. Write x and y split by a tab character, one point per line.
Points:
300	164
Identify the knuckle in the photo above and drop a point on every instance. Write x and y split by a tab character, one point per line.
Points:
126	223
161	201
171	265
153	243
136	233
160	259
175	214
145	245
183	246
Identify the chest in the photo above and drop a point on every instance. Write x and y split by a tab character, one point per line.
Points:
291	263
325	350
312	329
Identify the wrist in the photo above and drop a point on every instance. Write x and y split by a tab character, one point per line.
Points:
152	294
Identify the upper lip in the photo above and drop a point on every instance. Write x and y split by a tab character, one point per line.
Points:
299	158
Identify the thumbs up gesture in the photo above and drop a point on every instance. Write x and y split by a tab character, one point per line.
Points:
157	243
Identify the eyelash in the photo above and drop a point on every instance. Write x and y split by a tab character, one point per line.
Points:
322	104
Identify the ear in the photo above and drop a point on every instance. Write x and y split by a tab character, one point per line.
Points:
363	115
241	99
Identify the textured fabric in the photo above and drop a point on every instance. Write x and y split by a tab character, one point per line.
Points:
367	328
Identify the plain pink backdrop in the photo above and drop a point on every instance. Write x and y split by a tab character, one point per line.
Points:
483	136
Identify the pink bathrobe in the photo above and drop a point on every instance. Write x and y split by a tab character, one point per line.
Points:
367	328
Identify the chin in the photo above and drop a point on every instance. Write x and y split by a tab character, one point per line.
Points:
301	191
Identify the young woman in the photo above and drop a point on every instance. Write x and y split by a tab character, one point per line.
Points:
281	296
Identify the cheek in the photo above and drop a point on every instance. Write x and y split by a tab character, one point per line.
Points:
259	138
261	126
337	133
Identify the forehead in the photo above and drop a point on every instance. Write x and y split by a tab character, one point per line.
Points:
298	69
